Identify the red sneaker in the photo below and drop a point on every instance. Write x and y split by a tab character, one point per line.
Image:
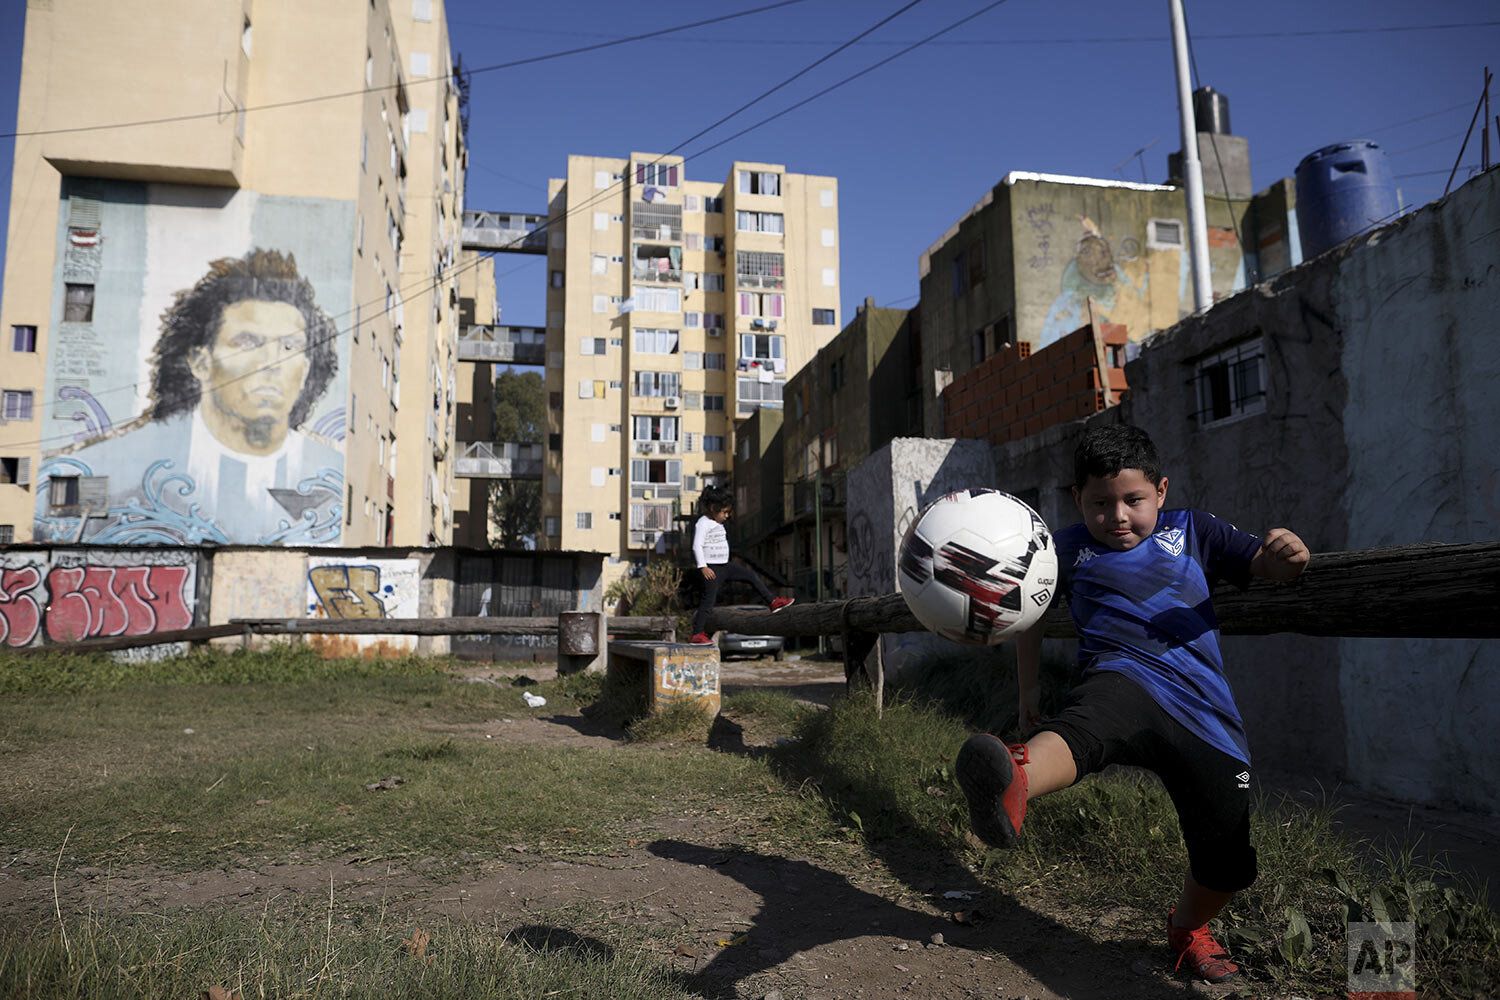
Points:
1205	957
701	639
777	603
994	782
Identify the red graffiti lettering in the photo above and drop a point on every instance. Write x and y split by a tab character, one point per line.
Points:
20	615
116	600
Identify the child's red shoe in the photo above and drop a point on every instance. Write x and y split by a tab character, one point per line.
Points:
1204	956
701	639
777	603
994	782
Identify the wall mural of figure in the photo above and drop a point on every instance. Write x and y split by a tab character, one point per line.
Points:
223	453
1117	284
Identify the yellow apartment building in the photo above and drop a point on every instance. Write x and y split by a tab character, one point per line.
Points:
229	312
675	309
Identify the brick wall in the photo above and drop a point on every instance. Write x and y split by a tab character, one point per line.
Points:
1013	393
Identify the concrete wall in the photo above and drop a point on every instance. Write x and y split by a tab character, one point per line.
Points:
1379	428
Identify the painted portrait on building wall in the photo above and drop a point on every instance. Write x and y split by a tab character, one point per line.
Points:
238	440
1099	284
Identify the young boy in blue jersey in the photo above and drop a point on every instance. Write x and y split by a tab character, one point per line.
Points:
1153	692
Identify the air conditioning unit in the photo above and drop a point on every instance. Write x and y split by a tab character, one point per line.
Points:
716	331
671	402
645	447
770	324
667	447
757	324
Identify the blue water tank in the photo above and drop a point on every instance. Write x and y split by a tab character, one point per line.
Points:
1343	190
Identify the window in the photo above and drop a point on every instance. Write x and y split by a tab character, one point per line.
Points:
713	403
692	203
554	400
657	384
692	400
977	347
759	222
7	534
654	428
714	205
976	263
23	339
654	341
665	471
592	345
714	361
15	404
713	442
831	450
62	492
421	64
828	237
824	317
769	305
692	361
830	277
825	197
1164	234
762	347
556	279
759	182
664	300
551	527
692	320
15	471
554	442
836	373
1230	383
713	243
584	520
713	282
656	174
78	305
599	264
656	221
959	271
421	10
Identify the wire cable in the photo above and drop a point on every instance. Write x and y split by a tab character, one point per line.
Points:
493	67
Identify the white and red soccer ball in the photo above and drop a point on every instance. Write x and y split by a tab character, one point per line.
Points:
978	566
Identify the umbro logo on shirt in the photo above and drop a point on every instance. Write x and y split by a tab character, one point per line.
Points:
1243	778
1170	540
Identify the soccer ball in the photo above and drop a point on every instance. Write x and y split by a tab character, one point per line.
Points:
978	566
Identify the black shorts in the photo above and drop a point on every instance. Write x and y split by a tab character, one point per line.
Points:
1110	719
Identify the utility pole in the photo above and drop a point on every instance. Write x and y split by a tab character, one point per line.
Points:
1192	170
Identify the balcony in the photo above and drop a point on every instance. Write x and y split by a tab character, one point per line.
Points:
772	281
521	345
499	460
654	275
508	233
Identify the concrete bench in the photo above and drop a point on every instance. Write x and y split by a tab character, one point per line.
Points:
672	672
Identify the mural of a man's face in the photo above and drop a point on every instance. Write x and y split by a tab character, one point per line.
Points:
252	372
1096	262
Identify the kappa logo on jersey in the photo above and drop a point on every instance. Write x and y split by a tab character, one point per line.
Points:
1084	555
1170	540
1243	778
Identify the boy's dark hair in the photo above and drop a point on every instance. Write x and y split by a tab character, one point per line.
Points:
715	499
1104	451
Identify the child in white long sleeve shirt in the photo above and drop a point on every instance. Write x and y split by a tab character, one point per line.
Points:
711	554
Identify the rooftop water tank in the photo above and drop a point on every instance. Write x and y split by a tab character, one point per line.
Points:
1343	190
1211	111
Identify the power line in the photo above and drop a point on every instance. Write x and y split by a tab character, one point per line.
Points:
1424	145
429	286
1076	40
528	61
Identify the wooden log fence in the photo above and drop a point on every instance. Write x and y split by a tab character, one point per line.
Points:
1407	591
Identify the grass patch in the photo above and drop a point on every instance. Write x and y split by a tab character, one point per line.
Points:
772	708
1113	841
304	953
44	673
679	722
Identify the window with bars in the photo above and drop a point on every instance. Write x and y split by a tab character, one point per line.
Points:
1229	384
751	392
759	269
583	520
7	534
654	220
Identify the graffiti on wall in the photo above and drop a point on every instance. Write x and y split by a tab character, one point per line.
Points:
196	368
76	596
1108	282
338	587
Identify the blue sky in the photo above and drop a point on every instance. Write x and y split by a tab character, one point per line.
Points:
1061	86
